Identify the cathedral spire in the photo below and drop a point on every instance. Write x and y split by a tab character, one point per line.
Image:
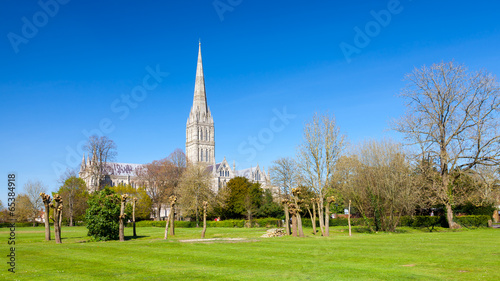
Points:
200	96
82	166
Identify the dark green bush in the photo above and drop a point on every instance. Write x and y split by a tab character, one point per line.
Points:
102	215
473	221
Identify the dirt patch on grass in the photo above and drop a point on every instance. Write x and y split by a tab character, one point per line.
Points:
409	265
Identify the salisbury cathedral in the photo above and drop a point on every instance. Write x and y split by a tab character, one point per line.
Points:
200	147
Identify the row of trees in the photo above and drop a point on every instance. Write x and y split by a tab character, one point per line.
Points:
451	157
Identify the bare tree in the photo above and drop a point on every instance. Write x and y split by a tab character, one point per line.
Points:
453	116
283	175
75	195
102	150
23	208
487	179
380	181
194	188
178	160
316	158
33	190
155	179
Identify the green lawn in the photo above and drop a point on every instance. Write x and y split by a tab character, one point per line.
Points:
410	254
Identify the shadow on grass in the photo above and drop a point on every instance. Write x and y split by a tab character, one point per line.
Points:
127	238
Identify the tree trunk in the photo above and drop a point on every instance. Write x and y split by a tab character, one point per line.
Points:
172	219
327	219
57	214
60	218
204	220
60	222
133	217
299	225
320	217
47	223
449	217
349	218
122	217
166	225
70	205
287	219
294	225
197	215
158	212
313	218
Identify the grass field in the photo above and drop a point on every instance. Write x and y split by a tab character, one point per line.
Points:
411	254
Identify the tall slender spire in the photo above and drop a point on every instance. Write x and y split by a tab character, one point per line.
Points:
200	96
82	166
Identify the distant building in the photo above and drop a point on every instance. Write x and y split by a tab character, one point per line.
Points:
200	148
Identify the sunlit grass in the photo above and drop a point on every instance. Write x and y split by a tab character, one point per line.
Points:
410	254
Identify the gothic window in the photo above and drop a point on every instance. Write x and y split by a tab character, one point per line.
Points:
201	134
201	155
206	155
206	137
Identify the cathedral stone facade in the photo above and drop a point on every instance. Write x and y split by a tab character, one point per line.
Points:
200	148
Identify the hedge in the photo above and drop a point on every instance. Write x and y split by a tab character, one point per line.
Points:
266	222
306	222
21	224
473	221
421	221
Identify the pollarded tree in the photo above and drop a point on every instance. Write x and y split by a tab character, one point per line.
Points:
103	215
46	202
57	205
453	116
143	201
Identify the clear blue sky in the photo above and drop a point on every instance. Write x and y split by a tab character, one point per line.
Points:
65	76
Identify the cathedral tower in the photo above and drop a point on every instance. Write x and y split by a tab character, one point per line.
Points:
200	131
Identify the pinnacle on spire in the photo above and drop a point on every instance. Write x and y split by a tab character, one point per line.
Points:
83	161
200	96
